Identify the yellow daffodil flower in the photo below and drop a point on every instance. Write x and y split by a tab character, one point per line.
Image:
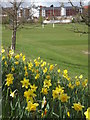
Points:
64	97
31	106
77	106
44	91
33	87
87	114
47	83
9	79
25	83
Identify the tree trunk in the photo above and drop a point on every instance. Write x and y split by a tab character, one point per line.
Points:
14	27
14	39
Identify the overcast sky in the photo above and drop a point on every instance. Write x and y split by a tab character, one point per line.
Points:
49	2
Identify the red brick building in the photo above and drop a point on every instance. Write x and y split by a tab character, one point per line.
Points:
58	11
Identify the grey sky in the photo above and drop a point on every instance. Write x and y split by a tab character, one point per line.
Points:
46	2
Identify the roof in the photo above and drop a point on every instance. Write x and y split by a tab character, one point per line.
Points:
86	7
67	7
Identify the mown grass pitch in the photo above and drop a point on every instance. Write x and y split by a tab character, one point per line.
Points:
59	45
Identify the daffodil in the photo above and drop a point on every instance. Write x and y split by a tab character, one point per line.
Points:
23	58
13	69
58	70
64	97
5	63
44	91
9	79
21	54
45	70
33	87
47	83
81	76
84	83
3	57
30	65
37	76
17	56
87	114
60	89
31	106
11	52
38	58
25	68
77	83
65	71
16	62
51	67
36	63
25	83
48	77
12	94
2	50
29	95
77	106
43	102
68	114
26	73
55	94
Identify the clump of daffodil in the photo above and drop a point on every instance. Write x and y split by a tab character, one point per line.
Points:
9	79
87	114
31	106
36	63
25	83
77	106
43	64
30	65
57	92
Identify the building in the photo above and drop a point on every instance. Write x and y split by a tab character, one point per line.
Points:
49	12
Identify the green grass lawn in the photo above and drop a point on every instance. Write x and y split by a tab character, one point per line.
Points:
59	45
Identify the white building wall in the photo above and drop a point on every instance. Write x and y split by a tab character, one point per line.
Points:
43	12
63	11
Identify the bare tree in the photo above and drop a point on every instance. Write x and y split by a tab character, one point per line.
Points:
15	23
84	14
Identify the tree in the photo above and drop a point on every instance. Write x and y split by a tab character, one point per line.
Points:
84	14
14	22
